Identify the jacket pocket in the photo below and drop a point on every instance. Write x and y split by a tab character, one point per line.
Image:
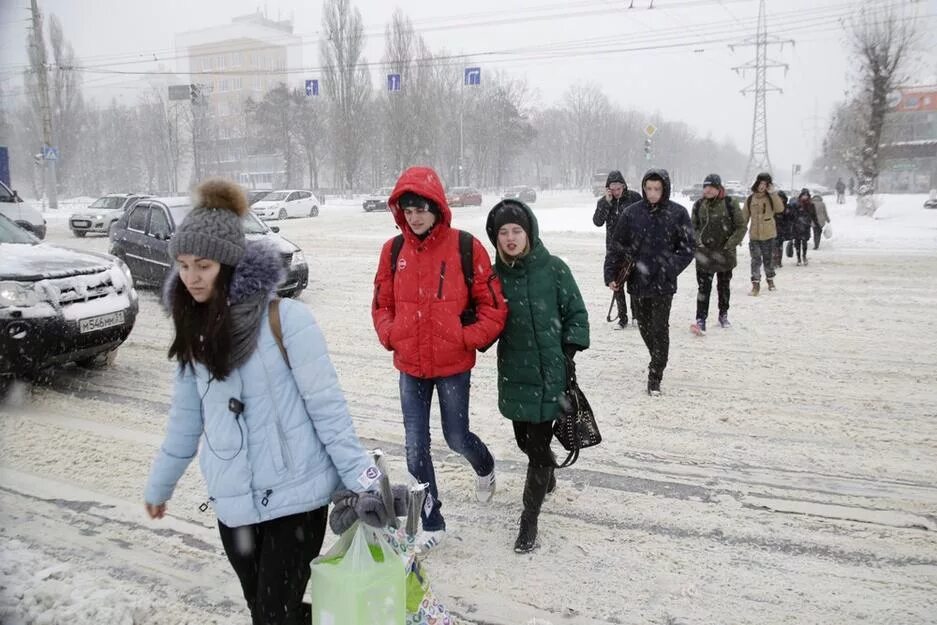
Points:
276	443
442	279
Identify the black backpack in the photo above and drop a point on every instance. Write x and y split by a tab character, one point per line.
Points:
468	269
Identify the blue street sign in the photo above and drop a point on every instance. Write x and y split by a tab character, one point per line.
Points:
473	75
49	153
393	82
312	87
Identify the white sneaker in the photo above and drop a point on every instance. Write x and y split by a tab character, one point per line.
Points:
485	487
425	540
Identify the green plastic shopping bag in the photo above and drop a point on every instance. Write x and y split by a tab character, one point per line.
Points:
359	581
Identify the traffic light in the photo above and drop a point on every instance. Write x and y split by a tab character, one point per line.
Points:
647	149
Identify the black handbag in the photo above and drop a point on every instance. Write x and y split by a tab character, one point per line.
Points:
789	250
576	429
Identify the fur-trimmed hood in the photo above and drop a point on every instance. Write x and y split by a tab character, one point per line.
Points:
260	270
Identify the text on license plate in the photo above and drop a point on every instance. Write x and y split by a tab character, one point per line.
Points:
101	322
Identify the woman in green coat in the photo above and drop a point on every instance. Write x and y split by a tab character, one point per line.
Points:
547	324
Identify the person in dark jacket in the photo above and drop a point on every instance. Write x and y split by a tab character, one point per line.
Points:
418	314
719	228
841	190
657	236
783	223
547	324
804	218
617	198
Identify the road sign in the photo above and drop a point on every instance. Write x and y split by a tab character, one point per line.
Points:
178	92
50	153
312	87
650	130
393	82
473	75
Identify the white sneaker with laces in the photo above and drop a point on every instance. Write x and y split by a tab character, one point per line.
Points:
485	487
427	540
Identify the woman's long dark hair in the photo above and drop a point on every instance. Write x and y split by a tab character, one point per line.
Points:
203	331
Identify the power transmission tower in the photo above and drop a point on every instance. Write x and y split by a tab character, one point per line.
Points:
758	159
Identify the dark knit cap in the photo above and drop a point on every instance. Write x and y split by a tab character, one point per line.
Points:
512	213
415	200
712	180
762	177
213	229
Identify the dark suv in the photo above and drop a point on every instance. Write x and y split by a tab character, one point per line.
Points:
59	305
141	239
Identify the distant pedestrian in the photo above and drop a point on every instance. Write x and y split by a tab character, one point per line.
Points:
841	190
607	211
823	218
719	229
761	207
657	236
805	218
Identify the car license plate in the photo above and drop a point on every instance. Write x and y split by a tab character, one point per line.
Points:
81	223
92	324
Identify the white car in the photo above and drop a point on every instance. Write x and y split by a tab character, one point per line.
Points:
102	214
287	203
21	213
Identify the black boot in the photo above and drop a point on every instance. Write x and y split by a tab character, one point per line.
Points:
535	489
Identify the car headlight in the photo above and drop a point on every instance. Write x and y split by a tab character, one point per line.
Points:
298	259
99	216
17	294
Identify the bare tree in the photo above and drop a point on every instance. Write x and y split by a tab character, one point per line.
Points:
882	38
588	109
347	84
275	120
311	129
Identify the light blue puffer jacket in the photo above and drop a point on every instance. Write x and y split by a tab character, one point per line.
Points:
290	449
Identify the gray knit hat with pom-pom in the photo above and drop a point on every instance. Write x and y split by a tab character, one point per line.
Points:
213	228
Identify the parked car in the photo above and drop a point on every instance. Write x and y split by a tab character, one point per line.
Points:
523	193
59	305
287	203
377	201
22	214
141	239
254	196
931	201
102	213
464	196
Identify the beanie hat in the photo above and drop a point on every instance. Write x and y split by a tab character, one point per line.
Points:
712	180
213	229
511	213
614	176
415	200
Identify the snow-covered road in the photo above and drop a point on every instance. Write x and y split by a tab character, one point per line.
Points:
785	476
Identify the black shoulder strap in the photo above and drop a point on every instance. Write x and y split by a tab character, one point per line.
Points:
395	248
729	211
466	252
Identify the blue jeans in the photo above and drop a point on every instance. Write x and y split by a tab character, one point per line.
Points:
416	396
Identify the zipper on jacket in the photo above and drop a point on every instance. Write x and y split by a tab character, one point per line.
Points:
204	505
442	278
266	498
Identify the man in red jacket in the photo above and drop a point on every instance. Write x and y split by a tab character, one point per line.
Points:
424	312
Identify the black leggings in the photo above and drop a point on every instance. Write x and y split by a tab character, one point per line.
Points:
272	560
534	440
801	246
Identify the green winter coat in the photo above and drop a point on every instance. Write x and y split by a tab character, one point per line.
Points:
717	233
545	312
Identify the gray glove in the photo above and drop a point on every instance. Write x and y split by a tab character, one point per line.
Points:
368	507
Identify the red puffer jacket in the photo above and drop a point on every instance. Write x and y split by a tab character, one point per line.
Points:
417	309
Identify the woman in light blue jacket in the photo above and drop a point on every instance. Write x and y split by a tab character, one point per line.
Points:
276	437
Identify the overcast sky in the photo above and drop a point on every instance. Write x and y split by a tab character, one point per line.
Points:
638	56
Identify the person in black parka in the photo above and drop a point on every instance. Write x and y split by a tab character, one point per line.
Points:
608	209
657	235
